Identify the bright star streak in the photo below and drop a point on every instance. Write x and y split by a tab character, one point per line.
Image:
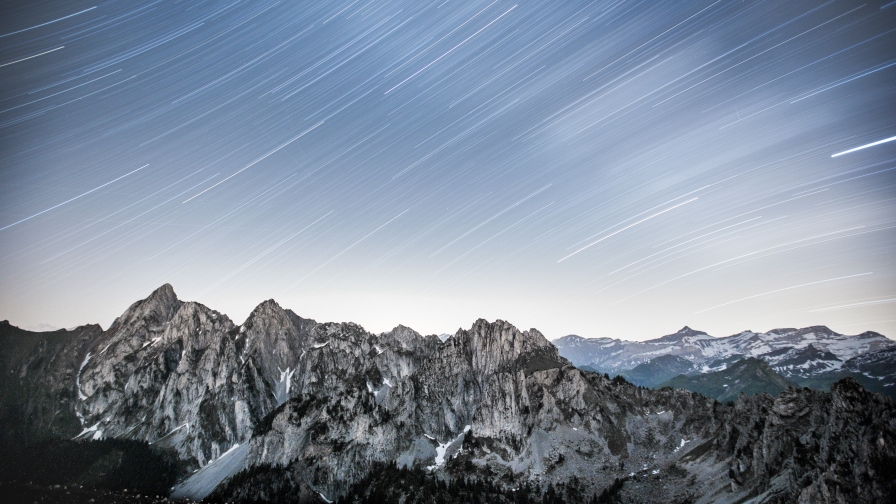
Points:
853	305
627	227
73	199
872	144
253	163
47	23
33	56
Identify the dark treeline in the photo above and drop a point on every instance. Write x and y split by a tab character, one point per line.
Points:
110	464
390	483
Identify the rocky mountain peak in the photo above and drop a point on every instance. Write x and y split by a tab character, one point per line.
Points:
870	334
684	332
404	337
158	308
164	298
687	331
270	314
782	330
820	329
493	345
274	338
504	337
268	307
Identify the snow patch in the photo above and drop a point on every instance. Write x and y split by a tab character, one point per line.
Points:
151	342
172	431
81	395
320	345
232	448
201	483
378	391
95	429
286	377
442	449
328	501
283	386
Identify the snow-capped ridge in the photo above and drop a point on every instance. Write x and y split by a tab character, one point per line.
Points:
702	349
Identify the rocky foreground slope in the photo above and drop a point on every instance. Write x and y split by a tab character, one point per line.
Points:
284	408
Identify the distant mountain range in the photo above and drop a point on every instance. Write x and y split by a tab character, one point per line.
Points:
814	357
176	401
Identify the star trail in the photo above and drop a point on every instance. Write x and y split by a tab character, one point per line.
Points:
608	168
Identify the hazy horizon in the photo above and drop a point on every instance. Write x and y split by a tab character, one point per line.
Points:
43	327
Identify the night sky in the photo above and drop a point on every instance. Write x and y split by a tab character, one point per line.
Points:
612	168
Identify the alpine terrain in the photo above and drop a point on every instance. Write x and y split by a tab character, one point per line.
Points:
176	401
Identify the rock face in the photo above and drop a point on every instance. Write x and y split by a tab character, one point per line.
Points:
183	376
307	408
170	372
808	446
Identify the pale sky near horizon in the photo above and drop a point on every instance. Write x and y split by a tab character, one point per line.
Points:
602	168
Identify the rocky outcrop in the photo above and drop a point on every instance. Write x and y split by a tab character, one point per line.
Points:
808	446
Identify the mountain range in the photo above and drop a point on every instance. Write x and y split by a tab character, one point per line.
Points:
814	357
286	409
